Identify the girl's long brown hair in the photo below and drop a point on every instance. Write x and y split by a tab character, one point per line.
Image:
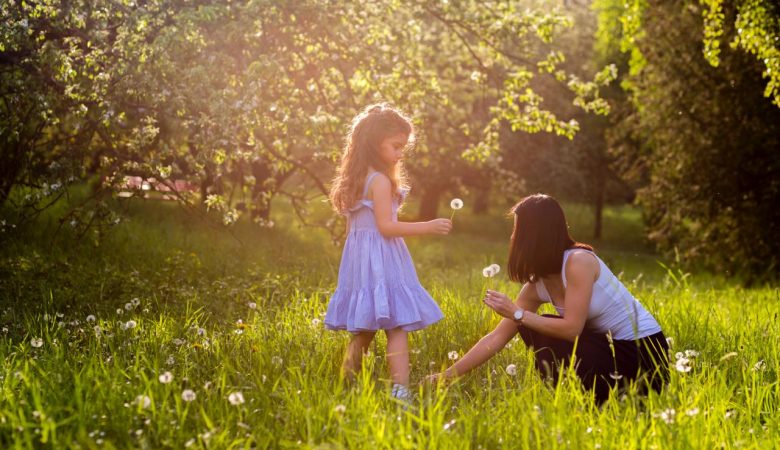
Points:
369	128
539	239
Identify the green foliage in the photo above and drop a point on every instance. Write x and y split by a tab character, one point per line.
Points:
700	140
758	32
248	100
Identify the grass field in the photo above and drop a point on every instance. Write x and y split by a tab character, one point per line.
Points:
171	333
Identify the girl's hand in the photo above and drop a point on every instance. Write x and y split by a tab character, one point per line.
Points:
501	304
439	226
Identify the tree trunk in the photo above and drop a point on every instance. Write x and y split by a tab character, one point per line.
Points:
482	201
598	206
429	204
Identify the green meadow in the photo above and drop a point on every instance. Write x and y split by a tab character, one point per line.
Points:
165	331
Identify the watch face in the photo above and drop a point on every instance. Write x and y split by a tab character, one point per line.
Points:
518	314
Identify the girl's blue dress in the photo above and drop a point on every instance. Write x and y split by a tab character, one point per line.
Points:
377	287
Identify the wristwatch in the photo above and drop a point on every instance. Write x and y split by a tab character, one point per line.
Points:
518	315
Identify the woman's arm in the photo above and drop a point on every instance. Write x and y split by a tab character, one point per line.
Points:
380	189
582	270
496	340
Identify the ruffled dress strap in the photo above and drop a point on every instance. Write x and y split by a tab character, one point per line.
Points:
363	200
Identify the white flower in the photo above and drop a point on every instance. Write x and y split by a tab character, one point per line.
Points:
129	306
201	331
91	318
683	365
143	401
36	342
188	395
453	355
252	305
667	415
456	204
236	398
315	322
98	330
341	409
511	369
170	361
691	353
135	302
129	325
165	377
692	412
491	270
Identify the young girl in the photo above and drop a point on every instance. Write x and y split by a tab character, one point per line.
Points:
378	287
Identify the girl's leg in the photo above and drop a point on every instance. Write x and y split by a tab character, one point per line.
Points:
398	355
353	358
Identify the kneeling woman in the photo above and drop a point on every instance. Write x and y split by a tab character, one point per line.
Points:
594	309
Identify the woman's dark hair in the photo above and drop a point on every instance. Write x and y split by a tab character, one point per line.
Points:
539	239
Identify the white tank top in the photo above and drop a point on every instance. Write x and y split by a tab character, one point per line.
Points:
612	307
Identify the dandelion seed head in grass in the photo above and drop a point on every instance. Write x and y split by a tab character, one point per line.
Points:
315	322
453	355
129	306
277	361
129	325
487	273
188	395
692	412
495	268
91	318
667	415
201	331
691	353
36	342
178	342
511	369
683	365
252	305
456	204
119	311
143	401
341	409
135	301
165	377
236	398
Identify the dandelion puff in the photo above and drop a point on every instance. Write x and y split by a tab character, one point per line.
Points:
668	415
129	306
341	409
135	301
119	311
143	401
129	325
449	425
315	322
236	398
453	355
487	272
252	305
456	204
277	361
495	268
36	342
691	353
679	355
683	365
165	377
692	412
615	376
91	318
511	369
201	331
188	395
98	330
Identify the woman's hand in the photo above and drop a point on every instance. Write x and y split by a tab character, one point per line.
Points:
439	226
501	304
